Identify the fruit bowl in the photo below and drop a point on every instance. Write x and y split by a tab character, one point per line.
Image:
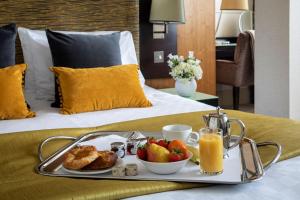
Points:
165	167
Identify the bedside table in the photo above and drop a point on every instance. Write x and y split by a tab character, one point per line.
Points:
198	96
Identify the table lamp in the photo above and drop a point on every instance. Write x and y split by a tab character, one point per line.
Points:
241	5
167	11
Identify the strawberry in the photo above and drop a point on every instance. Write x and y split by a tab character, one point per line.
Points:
142	152
163	143
151	140
176	155
186	155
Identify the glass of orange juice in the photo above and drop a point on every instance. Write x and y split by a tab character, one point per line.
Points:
211	151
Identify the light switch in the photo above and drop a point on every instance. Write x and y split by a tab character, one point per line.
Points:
159	31
158	36
158	56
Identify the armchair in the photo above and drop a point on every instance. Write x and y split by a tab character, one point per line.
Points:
239	72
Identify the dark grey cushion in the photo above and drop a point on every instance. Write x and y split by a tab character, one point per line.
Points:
8	45
83	51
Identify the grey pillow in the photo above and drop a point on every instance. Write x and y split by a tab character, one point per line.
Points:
83	51
8	45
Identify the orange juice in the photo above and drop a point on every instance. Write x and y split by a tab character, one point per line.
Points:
211	153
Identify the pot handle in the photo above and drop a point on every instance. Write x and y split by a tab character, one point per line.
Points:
276	157
41	145
242	134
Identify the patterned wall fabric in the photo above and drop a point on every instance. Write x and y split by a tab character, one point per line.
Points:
73	15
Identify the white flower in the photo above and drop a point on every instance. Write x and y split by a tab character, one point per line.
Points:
191	54
181	58
185	70
176	57
191	62
170	63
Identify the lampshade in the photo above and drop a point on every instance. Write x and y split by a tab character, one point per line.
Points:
234	5
167	11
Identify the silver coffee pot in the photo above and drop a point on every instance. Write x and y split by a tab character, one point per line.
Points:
221	121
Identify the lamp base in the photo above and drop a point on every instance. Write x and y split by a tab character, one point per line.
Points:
240	21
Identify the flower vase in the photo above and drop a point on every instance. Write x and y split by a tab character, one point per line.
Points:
186	88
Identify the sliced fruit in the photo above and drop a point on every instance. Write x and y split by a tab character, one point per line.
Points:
195	151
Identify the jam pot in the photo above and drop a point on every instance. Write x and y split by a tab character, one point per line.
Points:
132	146
118	148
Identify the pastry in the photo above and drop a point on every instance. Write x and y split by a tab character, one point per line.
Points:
80	157
106	159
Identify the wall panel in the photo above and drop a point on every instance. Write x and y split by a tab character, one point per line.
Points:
148	45
198	35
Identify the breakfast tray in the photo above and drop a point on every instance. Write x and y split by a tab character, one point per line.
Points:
243	165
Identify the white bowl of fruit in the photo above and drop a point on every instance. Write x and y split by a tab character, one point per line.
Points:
163	157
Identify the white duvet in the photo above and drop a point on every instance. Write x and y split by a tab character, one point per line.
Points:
50	118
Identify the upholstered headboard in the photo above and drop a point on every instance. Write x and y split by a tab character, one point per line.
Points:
73	15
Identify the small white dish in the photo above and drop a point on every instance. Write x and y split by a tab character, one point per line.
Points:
165	168
90	172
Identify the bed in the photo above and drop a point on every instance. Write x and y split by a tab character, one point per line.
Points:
70	15
50	118
273	185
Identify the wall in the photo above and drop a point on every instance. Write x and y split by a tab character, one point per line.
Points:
198	35
272	58
294	59
277	58
148	45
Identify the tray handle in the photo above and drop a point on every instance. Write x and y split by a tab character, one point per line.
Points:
40	148
276	157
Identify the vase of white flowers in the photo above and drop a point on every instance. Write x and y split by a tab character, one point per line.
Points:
185	72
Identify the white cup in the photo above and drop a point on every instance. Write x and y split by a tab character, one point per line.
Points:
179	132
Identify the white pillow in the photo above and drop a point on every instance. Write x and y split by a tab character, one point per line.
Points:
37	55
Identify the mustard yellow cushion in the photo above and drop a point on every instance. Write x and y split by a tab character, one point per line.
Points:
12	100
91	89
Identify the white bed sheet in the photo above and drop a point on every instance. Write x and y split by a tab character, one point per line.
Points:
281	182
50	118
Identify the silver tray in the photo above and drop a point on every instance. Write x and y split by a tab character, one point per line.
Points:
244	164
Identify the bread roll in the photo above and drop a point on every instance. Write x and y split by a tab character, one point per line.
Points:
105	160
80	156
